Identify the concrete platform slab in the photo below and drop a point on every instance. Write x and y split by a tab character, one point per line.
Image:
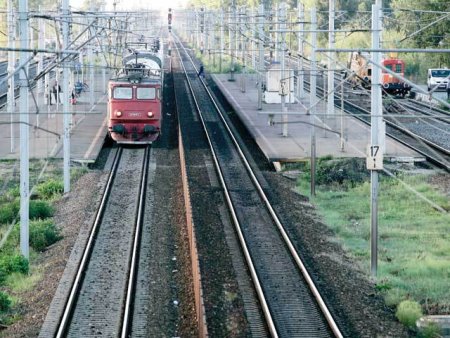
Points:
297	144
88	128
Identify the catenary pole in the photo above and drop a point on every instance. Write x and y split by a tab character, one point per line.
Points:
11	65
222	23
41	45
313	99
300	76
261	67
65	97
331	58
376	110
284	80
24	131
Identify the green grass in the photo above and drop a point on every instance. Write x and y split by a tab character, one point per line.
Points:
16	273
20	283
408	313
414	238
50	189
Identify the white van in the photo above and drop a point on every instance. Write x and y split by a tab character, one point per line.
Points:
438	78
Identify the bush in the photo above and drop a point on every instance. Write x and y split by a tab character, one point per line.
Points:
38	209
432	330
5	302
50	189
14	263
43	233
7	213
346	171
408	312
3	276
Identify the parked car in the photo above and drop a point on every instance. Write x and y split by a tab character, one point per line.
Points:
438	78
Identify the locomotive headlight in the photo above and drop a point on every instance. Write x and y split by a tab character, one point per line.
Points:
150	114
118	113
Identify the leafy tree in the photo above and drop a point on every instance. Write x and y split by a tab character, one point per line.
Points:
93	5
412	17
3	26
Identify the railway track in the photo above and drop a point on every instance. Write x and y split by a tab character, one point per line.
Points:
423	137
4	86
101	297
289	301
428	136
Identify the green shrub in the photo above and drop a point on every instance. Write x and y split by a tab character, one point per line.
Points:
76	173
43	233
50	189
7	213
13	192
408	312
40	209
14	263
432	330
3	276
349	171
5	302
10	195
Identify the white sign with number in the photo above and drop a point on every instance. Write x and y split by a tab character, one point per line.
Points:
374	160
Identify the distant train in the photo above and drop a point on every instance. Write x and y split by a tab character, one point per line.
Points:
362	74
134	105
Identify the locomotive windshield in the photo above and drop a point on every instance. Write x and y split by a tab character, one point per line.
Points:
123	93
398	67
146	93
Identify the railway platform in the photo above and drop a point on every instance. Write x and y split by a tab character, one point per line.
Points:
88	127
296	146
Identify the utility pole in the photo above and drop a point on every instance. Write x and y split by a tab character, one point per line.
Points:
197	30
65	96
91	63
24	131
232	23
375	149
301	25
11	66
221	39
255	36
41	45
331	57
243	48
313	99
277	33
261	67
284	80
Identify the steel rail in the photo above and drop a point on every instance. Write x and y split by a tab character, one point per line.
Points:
436	113
433	157
136	244
301	266
87	252
255	278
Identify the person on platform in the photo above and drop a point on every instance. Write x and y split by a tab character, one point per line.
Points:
57	91
448	88
201	72
48	94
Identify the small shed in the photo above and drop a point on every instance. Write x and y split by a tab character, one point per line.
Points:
279	83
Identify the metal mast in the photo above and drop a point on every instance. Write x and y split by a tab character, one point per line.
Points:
24	130
65	96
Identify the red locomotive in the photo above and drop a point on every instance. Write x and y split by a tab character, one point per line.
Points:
391	84
134	105
362	74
